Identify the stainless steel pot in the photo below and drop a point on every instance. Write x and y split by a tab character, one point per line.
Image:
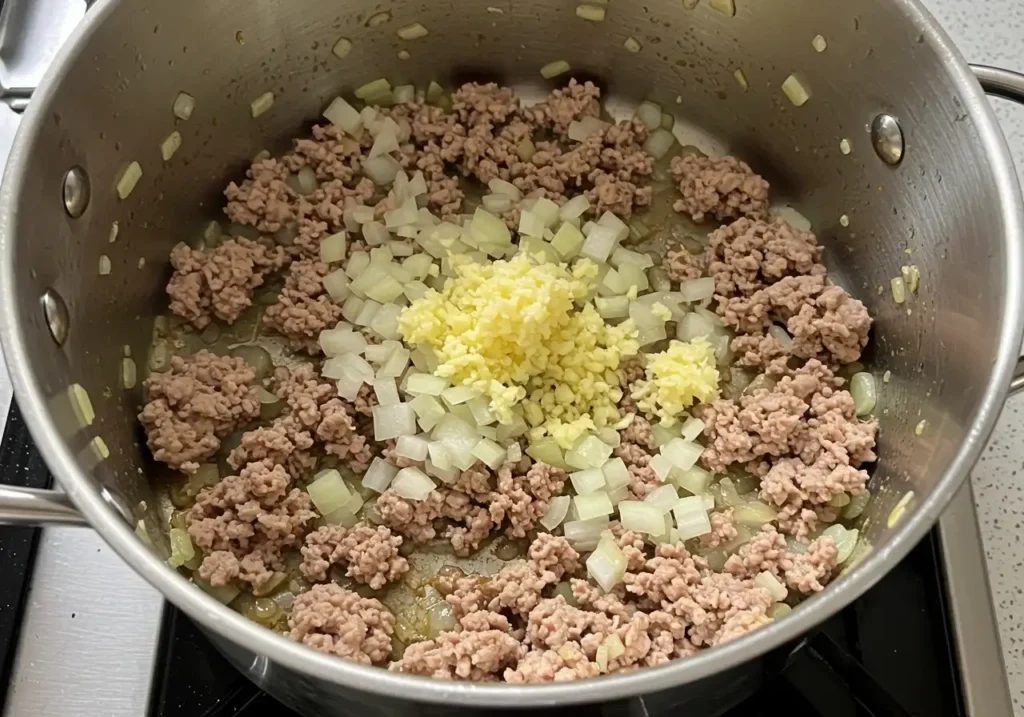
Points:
928	182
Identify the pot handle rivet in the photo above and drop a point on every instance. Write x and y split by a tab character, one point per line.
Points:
55	311
887	139
76	191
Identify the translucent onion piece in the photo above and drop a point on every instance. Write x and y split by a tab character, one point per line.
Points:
588	481
184	105
182	550
607	564
692	428
458	394
593	13
332	248
328	491
691	517
343	115
224	594
379	475
376	87
554	69
664	498
755	514
81	404
771	583
642	517
612	307
726	7
500	186
382	170
547	451
632	44
622	256
845	540
261	104
385	142
584	531
342	47
697	289
584	127
393	421
429	411
741	79
412	484
796	90
497	203
515	452
593	505
616	474
459	439
425	383
864	392
661	466
129	373
489	453
858	501
659	143
412	32
386	392
650	114
128	179
591	452
170	145
415	448
682	454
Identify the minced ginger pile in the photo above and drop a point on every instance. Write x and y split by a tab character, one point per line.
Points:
558	355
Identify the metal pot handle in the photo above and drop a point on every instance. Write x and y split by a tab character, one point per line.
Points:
1008	85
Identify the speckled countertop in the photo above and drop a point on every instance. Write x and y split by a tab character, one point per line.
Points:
991	32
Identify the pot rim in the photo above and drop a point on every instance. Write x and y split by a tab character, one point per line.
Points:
214	616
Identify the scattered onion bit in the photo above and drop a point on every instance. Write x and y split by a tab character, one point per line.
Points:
170	145
261	104
129	373
919	428
142	261
819	43
844	220
554	69
378	19
114	229
129	178
726	7
899	290
593	13
900	509
886	377
796	91
104	265
911	277
403	55
632	44
845	147
496	10
741	79
183	105
100	447
342	47
412	32
81	404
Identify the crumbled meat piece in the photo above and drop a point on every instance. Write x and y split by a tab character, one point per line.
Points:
642	481
339	622
618	196
487	104
415	518
371	554
467	539
723	529
264	199
754	426
723	187
568	662
796	488
220	282
835	326
681	265
284	442
303	308
331	153
639	433
565	106
476	482
555	555
809	572
396	460
522	496
195	404
254	516
668	577
724	607
477	656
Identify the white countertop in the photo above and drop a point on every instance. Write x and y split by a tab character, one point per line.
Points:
988	32
991	32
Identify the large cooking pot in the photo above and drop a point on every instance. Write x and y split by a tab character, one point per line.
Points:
928	182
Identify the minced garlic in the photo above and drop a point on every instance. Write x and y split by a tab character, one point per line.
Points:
512	330
676	378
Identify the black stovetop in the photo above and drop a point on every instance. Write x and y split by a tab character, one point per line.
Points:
890	654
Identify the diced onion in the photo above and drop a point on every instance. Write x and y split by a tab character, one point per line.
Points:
741	79
336	342
797	92
129	373
412	32
584	127
575	207
128	179
385	142
184	105
412	484
607	564
650	114
664	498
546	451
515	452
500	186
682	454
81	404
612	307
691	517
486	228
567	240
458	394
333	247
342	47
328	491
693	326
480	407
584	531
755	514
593	13
771	583
632	44
386	392
554	69
659	142
382	170
393	421
497	203
692	428
593	505
697	289
379	475
429	411
182	550
425	383
343	115
642	517
845	540
336	283
661	466
490	453
599	243
588	481
170	145
591	452
864	392
858	501
414	448
558	508
726	7
374	88
459	439
261	104
616	474
396	363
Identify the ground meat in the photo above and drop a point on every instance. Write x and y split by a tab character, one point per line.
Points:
761	351
564	106
639	433
668	577
522	496
264	199
809	572
723	529
303	308
371	554
749	428
477	656
833	328
796	489
252	516
199	401
681	265
568	662
415	518
339	622
555	555
284	442
724	607
723	187
219	283
805	572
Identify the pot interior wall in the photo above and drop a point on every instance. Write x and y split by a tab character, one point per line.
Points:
111	105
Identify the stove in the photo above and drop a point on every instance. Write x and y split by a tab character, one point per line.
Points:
81	634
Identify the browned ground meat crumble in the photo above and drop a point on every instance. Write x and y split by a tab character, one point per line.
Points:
537	619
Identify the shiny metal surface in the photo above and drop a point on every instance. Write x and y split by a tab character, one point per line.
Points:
27	506
985	688
76	191
89	636
55	311
967	243
887	139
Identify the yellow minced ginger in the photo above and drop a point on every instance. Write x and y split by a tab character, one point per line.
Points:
512	330
676	379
